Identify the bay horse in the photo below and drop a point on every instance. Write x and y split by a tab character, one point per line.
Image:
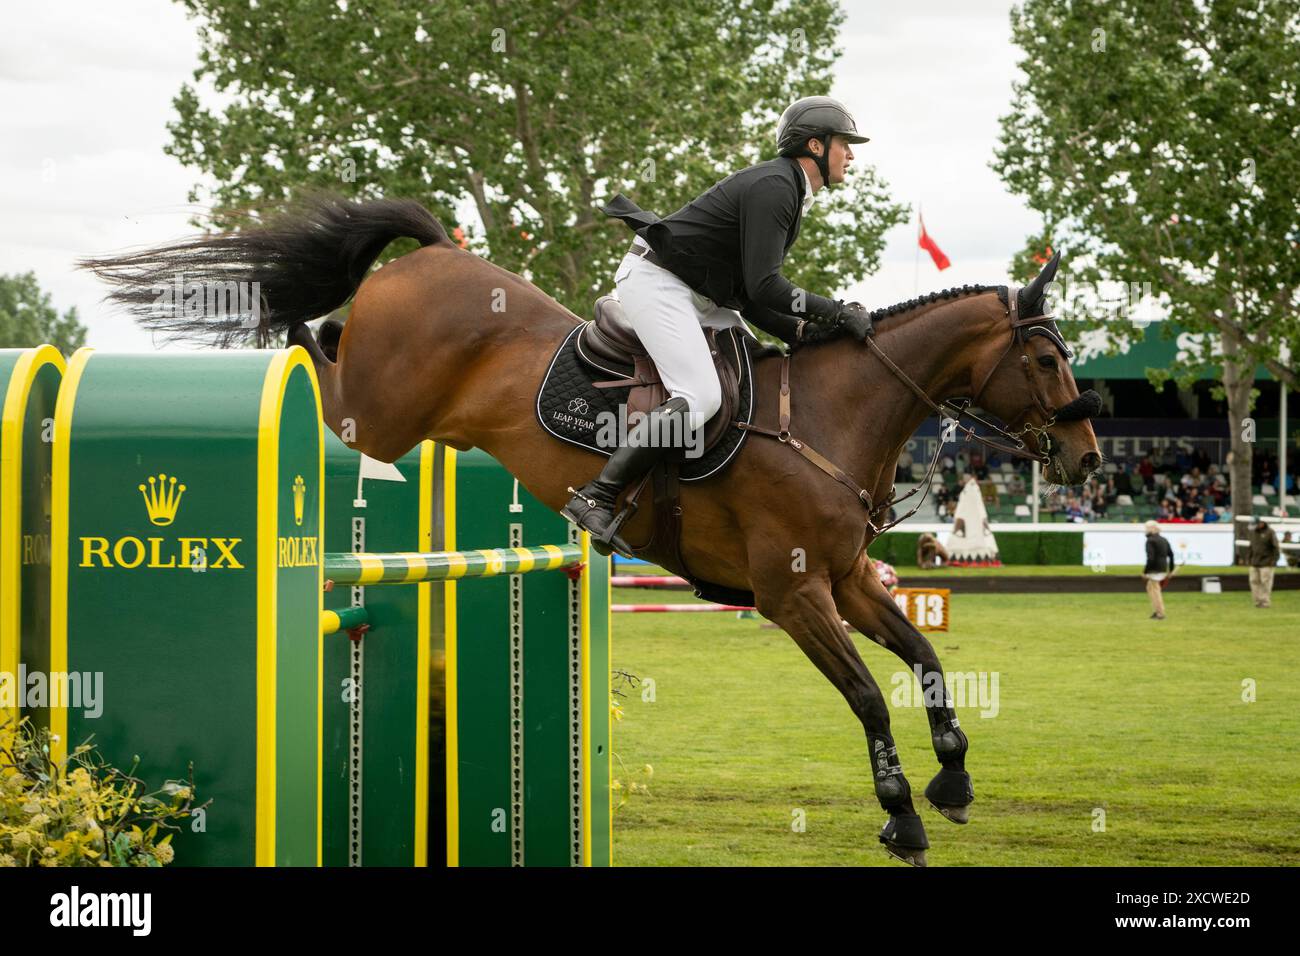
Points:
441	344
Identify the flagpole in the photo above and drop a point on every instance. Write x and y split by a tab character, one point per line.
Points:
916	259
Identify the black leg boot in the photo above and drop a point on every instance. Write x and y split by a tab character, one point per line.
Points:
592	506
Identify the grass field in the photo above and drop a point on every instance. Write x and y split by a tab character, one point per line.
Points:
1099	708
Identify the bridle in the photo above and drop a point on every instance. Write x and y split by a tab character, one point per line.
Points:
1022	329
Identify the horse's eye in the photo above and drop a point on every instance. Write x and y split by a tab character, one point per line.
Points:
1047	361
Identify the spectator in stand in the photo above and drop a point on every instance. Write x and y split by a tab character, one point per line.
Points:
1163	513
1292	555
1262	558
1123	481
904	470
1190	505
1160	562
1219	491
977	463
1016	484
1147	471
1211	514
1085	507
1099	506
1112	490
941	499
1073	510
1264	470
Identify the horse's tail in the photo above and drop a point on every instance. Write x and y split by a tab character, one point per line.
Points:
297	265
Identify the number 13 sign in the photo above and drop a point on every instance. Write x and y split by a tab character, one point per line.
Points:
927	608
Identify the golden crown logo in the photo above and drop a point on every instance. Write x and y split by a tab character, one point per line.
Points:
299	495
162	499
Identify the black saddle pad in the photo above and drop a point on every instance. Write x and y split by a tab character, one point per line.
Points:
568	405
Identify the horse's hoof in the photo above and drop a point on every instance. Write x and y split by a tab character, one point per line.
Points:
955	814
903	838
909	855
951	793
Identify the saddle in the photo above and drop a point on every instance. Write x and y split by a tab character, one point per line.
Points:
609	345
602	365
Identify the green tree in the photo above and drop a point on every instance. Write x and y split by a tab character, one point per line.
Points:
514	119
1157	140
28	319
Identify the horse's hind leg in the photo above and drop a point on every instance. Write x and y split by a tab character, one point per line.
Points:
805	610
868	606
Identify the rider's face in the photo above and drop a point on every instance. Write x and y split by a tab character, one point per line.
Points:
841	156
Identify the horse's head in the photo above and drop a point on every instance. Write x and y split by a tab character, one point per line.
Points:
1030	386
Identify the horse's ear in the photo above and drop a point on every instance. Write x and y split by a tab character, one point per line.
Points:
1032	294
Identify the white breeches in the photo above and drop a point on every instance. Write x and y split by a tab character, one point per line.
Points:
668	316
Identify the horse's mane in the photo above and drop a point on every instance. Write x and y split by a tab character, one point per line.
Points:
899	308
910	304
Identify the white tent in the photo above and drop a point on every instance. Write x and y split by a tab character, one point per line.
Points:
971	541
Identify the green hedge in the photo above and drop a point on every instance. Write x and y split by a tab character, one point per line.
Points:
1014	547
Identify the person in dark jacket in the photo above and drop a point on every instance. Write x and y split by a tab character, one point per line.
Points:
710	263
1262	558
1160	564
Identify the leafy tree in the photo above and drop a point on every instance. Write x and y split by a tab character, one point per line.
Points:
1157	140
28	319
529	114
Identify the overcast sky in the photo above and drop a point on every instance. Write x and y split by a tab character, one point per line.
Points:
86	89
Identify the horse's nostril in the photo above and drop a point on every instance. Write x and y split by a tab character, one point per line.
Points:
1090	461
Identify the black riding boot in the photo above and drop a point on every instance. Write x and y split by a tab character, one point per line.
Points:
592	506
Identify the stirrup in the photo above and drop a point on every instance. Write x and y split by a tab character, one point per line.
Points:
611	537
608	541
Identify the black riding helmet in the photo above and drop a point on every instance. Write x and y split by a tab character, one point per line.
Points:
815	116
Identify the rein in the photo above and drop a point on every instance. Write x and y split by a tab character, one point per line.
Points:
946	409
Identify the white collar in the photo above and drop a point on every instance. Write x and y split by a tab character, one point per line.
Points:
808	195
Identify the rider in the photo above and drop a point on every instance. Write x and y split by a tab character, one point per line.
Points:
719	255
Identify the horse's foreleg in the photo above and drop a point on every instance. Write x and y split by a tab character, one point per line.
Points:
868	606
805	610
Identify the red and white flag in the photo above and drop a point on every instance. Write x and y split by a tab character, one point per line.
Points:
929	245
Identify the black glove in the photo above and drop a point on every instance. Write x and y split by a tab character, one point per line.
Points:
818	331
856	320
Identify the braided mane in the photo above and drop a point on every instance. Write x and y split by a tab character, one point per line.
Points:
957	293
